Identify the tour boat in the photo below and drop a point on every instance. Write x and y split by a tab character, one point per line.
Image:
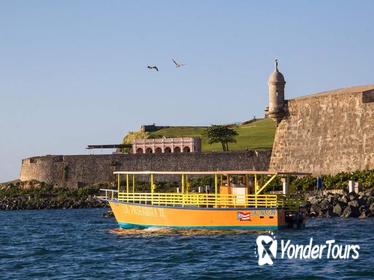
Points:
236	202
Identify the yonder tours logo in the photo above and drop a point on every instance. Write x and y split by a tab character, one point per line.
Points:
267	247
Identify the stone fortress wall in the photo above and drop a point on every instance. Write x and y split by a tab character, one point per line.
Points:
80	170
327	133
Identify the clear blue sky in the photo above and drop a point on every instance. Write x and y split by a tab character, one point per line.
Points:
74	73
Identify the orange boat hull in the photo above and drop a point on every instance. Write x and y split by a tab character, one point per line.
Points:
130	215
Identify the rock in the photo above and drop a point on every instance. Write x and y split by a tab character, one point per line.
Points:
352	196
369	192
337	210
329	213
350	212
347	212
369	200
324	204
315	210
313	200
362	201
371	208
363	212
333	199
354	203
307	205
343	199
362	215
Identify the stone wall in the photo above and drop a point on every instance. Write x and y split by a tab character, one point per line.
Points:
79	170
327	133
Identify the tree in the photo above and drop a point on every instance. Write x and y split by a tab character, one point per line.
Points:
221	134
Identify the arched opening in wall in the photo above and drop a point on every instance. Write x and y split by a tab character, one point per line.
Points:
167	150
139	150
186	150
177	150
148	151
158	150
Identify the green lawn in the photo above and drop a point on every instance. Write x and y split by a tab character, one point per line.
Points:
256	135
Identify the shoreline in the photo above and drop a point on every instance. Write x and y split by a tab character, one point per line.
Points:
39	196
345	205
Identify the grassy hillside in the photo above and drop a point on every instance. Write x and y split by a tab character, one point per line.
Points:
255	135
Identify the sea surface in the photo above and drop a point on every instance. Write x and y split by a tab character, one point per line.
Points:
82	244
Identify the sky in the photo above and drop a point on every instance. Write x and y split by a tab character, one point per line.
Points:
73	72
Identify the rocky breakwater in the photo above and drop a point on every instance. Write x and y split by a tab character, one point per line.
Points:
345	205
36	195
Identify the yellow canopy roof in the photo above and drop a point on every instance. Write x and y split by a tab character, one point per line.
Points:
218	172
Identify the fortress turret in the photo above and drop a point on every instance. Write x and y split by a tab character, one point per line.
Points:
276	85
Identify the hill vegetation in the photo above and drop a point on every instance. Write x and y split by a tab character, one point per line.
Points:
257	134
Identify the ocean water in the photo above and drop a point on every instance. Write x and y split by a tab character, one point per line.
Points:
82	244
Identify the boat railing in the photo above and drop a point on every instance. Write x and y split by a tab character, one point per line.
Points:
108	194
204	199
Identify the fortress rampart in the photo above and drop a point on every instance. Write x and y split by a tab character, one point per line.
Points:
80	170
327	133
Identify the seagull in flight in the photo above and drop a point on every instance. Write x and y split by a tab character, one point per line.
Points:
177	64
152	67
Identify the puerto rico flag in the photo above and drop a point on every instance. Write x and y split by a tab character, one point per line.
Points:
244	216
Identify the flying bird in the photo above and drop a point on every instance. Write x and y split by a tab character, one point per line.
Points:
177	64
152	67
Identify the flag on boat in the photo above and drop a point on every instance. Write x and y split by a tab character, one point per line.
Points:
244	216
